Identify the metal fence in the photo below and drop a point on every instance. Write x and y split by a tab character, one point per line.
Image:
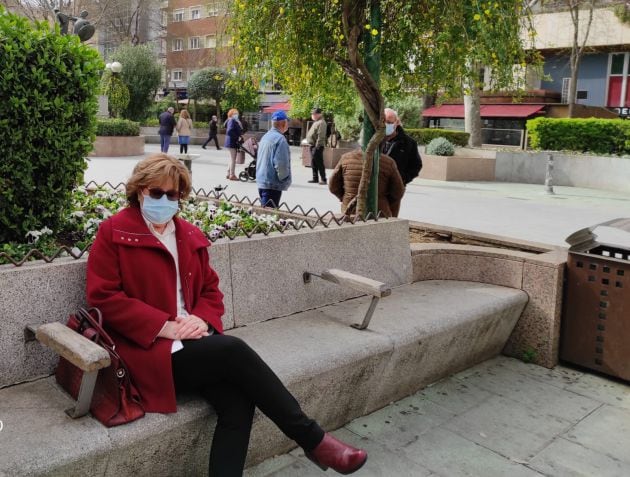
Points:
302	218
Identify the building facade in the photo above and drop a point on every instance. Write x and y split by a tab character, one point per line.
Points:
195	39
602	79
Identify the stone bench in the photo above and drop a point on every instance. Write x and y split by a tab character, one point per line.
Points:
187	160
421	333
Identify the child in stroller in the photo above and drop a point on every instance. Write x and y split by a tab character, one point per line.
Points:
250	147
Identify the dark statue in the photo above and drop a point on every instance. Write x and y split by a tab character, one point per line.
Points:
82	27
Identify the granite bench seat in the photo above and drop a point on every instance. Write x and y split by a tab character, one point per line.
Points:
421	333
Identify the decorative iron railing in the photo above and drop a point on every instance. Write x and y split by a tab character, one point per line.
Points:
302	218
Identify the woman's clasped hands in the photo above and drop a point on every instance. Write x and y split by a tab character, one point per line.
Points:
189	327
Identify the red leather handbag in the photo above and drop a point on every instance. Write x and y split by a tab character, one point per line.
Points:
116	400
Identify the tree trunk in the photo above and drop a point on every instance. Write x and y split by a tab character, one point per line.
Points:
472	117
576	49
575	65
369	93
428	100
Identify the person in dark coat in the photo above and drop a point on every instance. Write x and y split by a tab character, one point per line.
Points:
167	125
344	183
402	148
212	133
149	273
233	139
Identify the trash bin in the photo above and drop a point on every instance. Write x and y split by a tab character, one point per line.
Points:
596	321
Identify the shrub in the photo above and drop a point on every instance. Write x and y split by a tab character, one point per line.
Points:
425	135
600	136
440	147
117	95
117	127
48	86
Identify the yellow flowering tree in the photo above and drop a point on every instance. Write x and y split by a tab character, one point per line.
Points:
424	45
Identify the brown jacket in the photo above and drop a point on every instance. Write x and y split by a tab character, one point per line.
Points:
344	183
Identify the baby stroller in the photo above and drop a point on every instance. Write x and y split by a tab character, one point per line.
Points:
250	147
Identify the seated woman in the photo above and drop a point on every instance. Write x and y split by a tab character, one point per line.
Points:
149	273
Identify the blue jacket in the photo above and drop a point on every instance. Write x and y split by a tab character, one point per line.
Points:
232	133
273	161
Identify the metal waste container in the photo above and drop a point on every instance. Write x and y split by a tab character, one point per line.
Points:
595	329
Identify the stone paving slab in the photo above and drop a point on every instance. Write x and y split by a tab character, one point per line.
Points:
501	417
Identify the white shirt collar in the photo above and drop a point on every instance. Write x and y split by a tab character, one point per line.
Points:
170	228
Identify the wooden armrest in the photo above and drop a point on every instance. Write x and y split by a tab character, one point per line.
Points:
357	282
77	349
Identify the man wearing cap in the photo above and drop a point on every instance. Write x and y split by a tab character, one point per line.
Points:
273	161
316	137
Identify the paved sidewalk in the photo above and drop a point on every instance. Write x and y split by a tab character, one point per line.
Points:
500	418
520	211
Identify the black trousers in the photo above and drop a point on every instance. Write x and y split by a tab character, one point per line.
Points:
234	379
317	163
212	136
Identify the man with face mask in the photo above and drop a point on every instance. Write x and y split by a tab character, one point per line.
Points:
401	148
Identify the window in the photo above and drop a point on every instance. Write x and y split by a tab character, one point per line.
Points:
616	64
194	42
195	13
211	41
215	7
178	44
618	87
177	75
191	73
179	15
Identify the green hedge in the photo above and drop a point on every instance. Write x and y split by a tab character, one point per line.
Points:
599	136
156	122
117	127
48	86
426	135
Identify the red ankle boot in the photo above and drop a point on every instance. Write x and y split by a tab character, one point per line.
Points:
333	453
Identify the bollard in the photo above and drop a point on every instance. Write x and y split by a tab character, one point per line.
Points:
549	175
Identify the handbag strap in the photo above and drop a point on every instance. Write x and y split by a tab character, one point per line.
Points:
102	337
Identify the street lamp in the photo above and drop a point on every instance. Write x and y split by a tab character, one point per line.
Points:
116	67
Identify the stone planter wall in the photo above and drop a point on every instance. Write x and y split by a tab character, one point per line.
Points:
457	168
199	136
118	146
39	293
331	156
598	172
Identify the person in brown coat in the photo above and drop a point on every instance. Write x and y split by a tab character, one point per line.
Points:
344	183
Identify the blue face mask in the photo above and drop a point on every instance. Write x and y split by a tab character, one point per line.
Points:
235	117
389	129
159	211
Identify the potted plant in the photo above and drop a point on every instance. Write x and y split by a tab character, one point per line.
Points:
441	162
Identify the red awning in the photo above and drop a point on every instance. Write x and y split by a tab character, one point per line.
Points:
487	111
277	107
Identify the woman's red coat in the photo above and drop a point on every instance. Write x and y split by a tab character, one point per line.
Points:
131	279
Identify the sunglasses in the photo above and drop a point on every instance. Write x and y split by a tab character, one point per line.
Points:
157	193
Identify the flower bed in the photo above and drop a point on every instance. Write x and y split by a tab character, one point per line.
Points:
91	207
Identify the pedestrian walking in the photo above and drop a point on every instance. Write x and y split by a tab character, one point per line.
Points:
213	128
